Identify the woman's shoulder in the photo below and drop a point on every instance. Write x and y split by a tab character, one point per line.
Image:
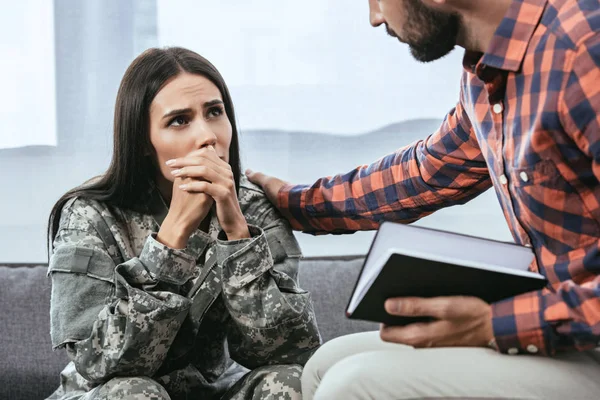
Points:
83	213
249	191
255	205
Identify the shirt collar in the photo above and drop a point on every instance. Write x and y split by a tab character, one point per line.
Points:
511	39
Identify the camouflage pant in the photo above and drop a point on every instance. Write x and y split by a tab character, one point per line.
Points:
271	382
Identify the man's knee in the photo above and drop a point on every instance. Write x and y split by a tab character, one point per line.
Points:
131	388
347	379
338	349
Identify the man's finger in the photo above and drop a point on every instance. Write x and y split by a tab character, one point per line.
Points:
269	184
258	178
420	335
436	307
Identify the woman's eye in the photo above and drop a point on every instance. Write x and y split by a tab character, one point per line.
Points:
215	112
178	121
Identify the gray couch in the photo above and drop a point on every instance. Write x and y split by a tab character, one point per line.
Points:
29	369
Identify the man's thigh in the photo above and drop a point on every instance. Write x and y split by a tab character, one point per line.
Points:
336	350
369	368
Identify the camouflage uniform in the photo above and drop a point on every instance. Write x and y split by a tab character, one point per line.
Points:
217	320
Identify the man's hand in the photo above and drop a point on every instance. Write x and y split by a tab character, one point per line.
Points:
269	184
460	321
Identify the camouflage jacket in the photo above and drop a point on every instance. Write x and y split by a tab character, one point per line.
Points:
195	319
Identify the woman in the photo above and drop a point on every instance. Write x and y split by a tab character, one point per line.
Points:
171	276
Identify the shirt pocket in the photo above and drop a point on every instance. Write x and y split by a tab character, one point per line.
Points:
552	209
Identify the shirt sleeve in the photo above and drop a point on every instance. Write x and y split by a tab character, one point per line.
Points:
445	169
568	316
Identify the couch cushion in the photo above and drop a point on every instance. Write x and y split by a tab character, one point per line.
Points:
29	369
331	281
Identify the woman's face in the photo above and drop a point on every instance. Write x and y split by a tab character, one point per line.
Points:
187	114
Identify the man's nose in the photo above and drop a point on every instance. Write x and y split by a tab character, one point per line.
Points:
375	15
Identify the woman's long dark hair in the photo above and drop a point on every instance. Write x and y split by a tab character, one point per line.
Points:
133	168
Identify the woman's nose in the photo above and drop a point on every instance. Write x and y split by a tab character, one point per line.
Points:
205	137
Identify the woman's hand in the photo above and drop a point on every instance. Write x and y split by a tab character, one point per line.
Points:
186	212
203	172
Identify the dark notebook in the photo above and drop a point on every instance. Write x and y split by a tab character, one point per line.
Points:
407	261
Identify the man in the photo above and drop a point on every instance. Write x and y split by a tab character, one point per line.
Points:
527	123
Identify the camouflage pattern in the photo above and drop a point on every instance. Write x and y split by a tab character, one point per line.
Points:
276	382
134	388
140	319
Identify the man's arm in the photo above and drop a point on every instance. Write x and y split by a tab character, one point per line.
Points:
445	169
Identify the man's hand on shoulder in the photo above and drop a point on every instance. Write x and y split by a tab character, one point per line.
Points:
269	184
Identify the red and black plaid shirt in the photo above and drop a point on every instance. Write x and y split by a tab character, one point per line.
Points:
528	123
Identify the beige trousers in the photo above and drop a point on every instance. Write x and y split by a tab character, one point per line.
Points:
362	366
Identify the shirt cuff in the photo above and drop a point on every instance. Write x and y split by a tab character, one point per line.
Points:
167	264
519	325
244	260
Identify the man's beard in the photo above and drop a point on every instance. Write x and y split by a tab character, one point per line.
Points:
431	34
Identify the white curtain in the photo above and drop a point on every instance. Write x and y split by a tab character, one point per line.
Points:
28	101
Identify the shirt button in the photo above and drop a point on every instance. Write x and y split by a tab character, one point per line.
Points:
524	176
497	108
513	351
503	179
532	348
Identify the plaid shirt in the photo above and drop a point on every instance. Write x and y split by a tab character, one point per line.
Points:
528	123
